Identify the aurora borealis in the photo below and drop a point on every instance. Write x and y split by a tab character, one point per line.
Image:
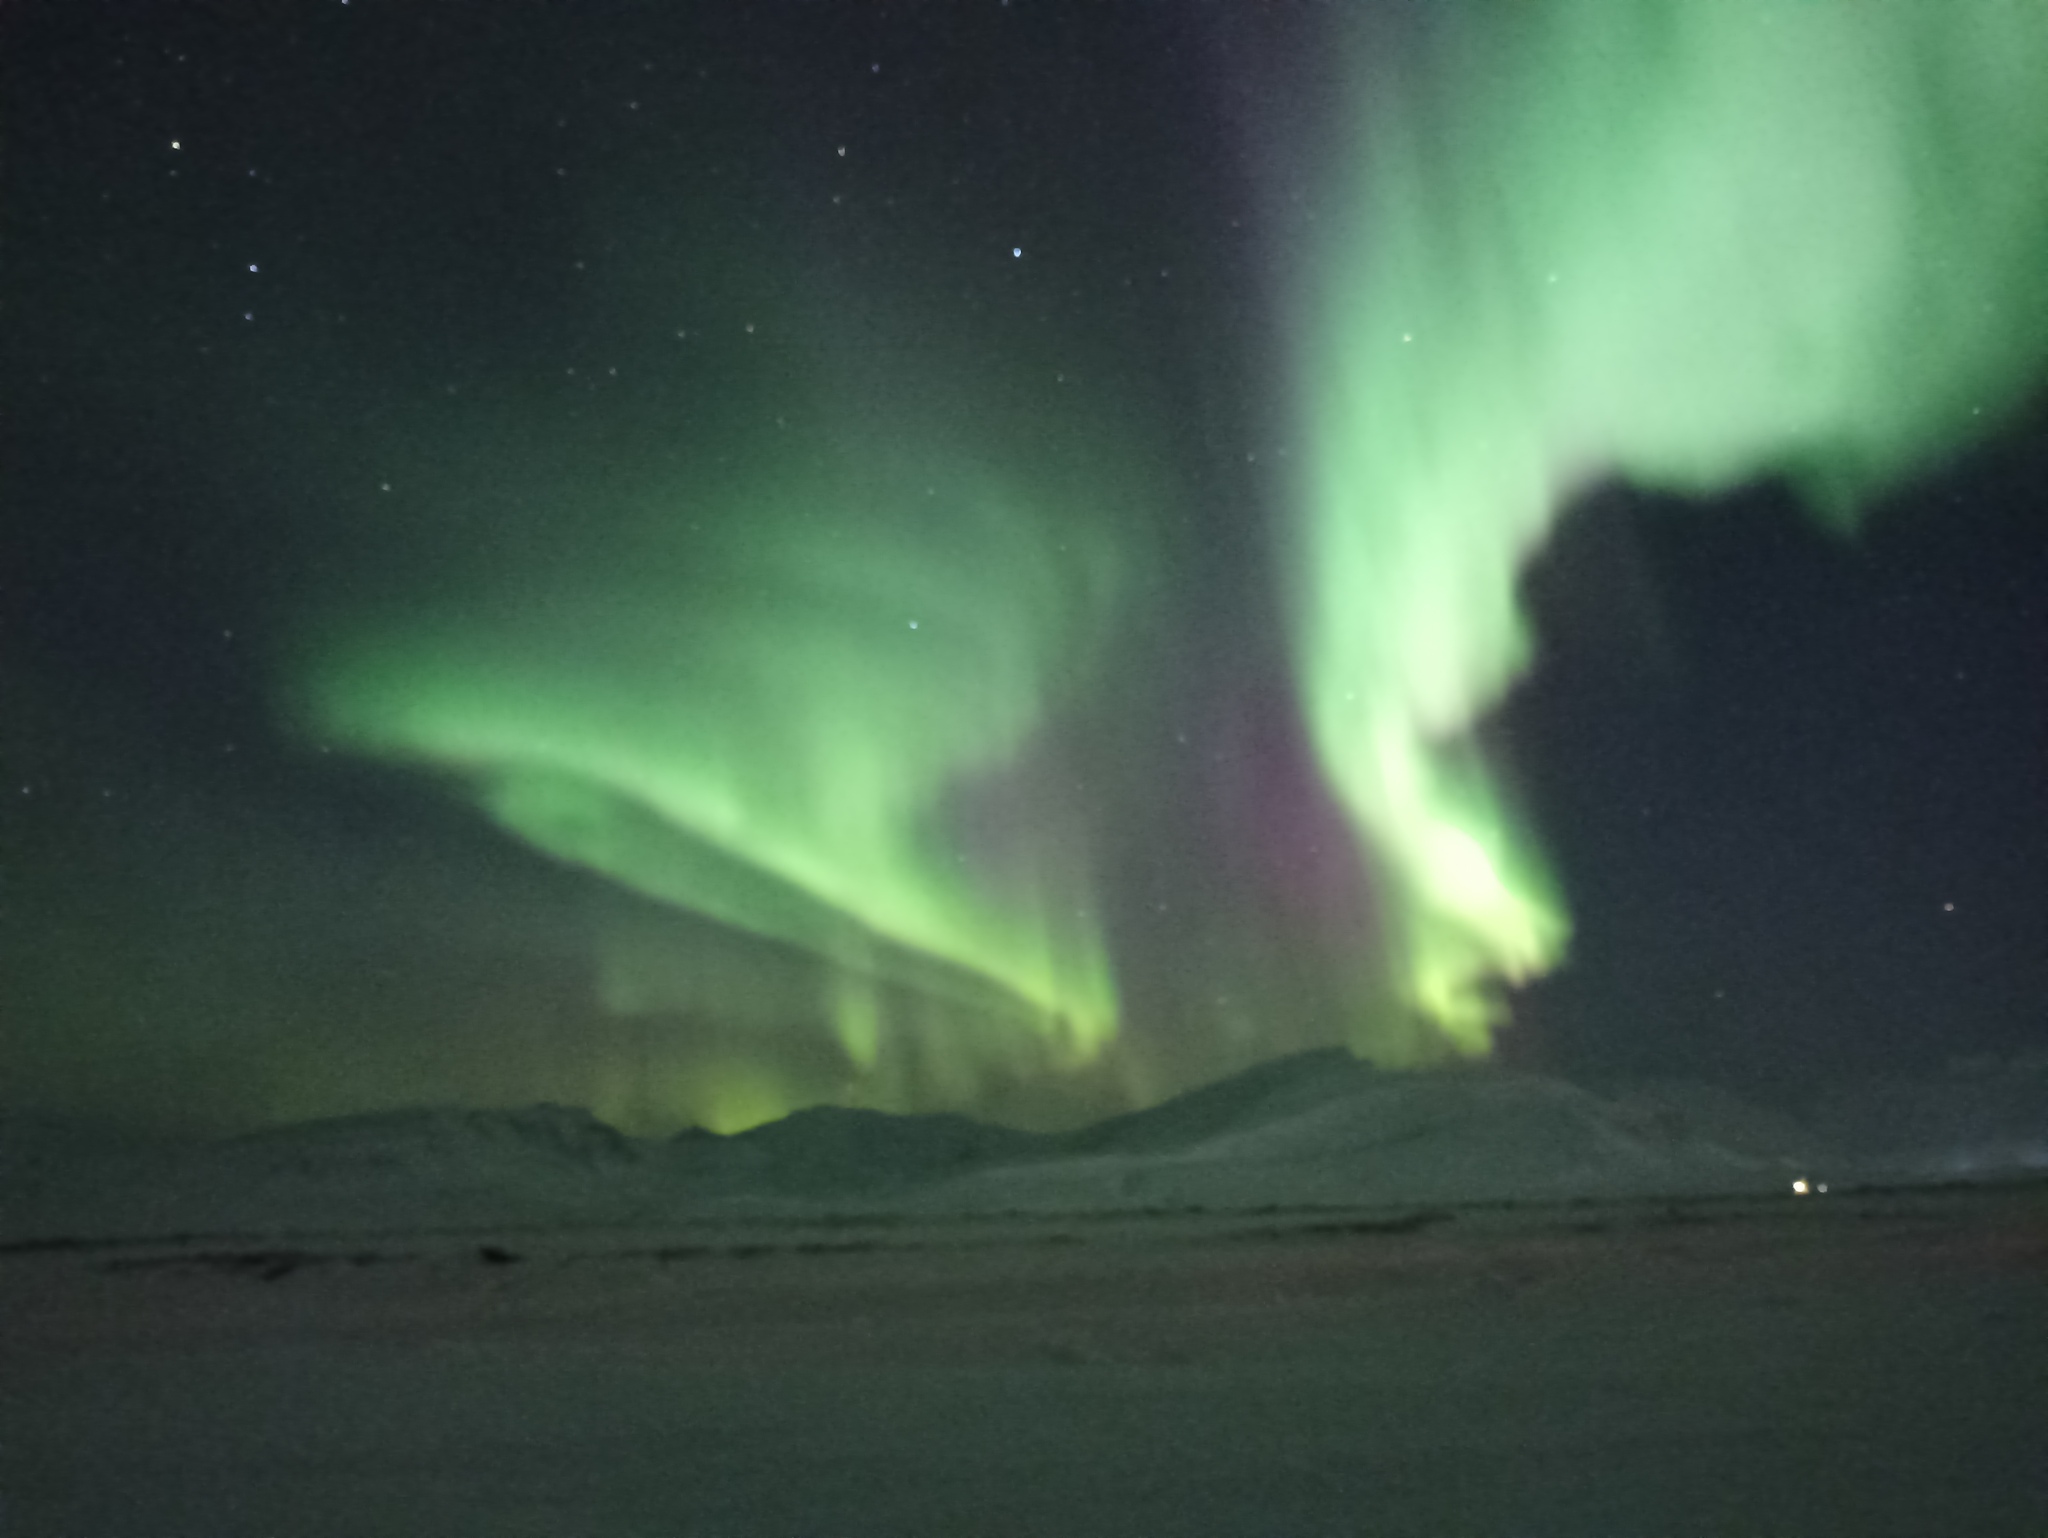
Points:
1686	245
796	688
944	561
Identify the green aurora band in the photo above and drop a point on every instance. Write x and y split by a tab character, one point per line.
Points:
796	654
1684	243
792	682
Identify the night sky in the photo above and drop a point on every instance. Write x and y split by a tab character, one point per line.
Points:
694	560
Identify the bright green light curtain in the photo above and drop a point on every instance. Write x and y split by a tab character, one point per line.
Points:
1687	243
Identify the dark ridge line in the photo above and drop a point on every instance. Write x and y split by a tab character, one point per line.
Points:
1772	1200
269	1265
272	1264
1407	1223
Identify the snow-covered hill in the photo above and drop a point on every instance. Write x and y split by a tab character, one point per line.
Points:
1319	1129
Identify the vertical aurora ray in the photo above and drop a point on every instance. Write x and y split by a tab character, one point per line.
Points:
1688	243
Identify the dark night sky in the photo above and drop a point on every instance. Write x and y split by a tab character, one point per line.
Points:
258	261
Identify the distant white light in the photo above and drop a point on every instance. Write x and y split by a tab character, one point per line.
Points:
1799	1188
1822	1188
1016	250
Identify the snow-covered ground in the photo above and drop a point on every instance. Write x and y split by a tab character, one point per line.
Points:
1312	1299
1315	1129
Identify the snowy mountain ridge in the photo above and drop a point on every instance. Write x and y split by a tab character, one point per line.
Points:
1317	1129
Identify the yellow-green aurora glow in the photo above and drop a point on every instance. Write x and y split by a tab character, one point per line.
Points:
1685	243
794	682
799	663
